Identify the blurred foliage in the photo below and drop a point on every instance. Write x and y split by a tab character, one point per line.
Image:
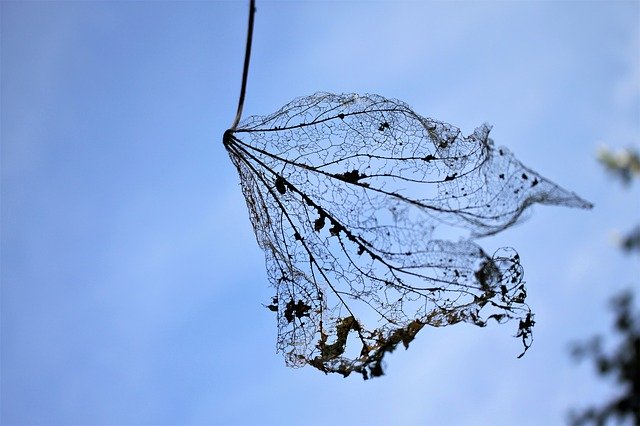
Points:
631	241
622	363
624	164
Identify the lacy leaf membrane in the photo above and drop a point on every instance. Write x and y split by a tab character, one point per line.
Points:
355	200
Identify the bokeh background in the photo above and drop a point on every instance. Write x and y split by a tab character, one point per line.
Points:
132	285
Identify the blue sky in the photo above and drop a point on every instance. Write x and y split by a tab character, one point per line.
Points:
132	285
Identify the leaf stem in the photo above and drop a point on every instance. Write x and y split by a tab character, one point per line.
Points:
247	57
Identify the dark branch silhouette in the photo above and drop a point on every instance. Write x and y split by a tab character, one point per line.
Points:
367	213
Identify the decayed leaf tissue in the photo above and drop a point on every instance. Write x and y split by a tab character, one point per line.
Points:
354	199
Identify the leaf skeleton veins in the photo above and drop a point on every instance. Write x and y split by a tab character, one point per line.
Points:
355	200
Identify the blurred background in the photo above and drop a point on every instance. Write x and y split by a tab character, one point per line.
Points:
132	284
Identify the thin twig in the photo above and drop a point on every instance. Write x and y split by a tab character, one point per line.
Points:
245	71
